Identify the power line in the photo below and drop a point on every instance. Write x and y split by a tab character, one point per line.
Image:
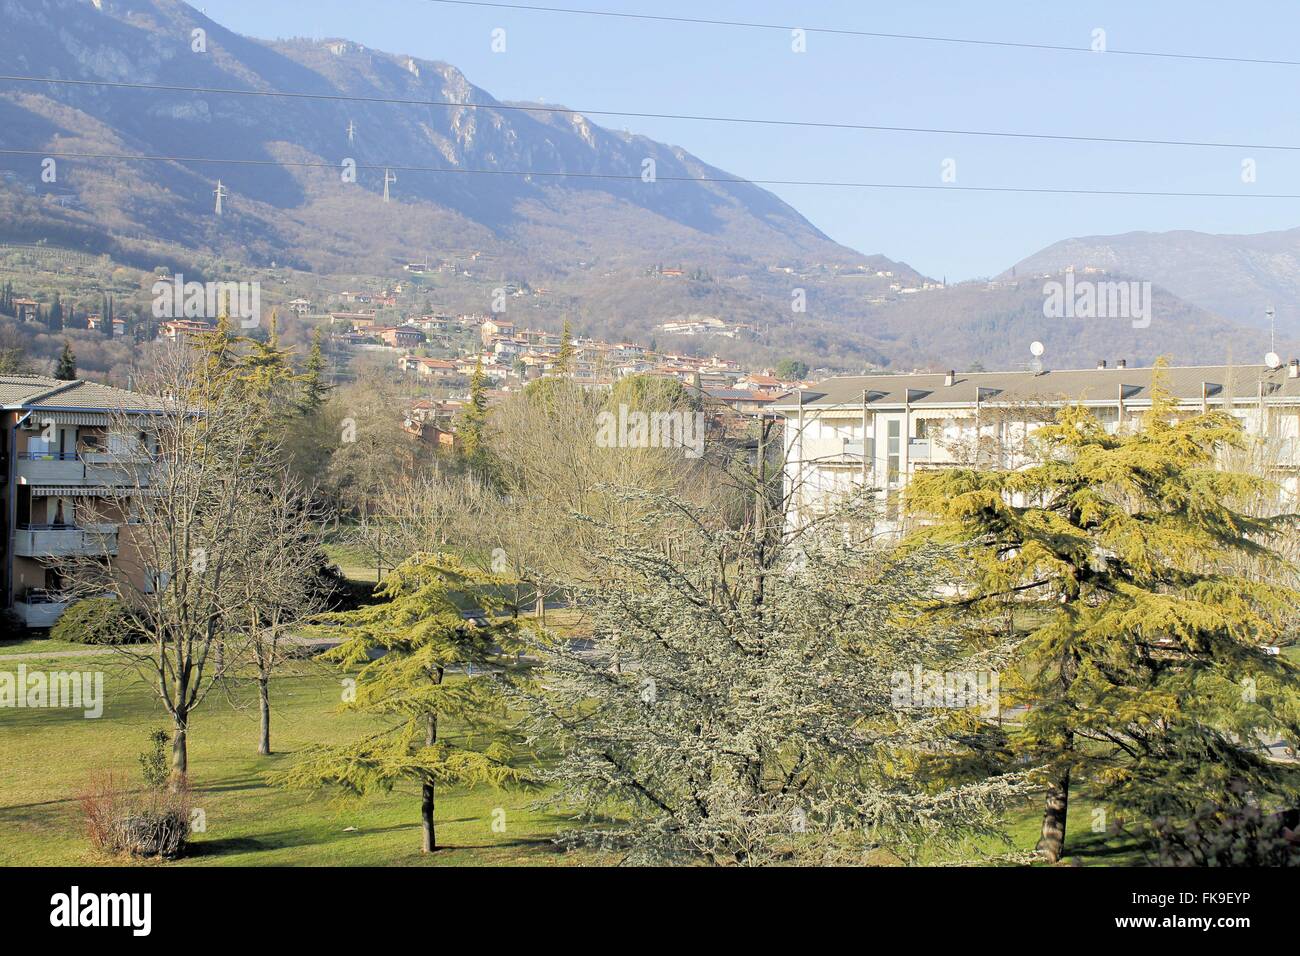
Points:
635	114
635	177
836	31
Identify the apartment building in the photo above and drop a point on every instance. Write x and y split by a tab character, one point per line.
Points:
876	431
64	454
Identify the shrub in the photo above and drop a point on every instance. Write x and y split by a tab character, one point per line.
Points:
153	762
153	822
150	822
95	621
341	593
1242	836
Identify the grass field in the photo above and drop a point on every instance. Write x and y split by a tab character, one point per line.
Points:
32	645
48	756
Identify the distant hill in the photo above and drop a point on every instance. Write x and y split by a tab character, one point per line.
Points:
1237	277
992	325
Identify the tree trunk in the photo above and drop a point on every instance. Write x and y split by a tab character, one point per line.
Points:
427	795
180	750
426	819
264	702
1052	842
540	607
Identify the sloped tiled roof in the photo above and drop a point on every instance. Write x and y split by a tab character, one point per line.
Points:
741	394
37	391
1073	385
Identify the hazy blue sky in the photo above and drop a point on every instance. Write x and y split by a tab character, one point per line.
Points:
593	63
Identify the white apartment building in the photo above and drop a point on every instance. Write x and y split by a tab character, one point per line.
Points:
876	431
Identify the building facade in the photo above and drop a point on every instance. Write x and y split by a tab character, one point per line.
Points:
68	467
876	431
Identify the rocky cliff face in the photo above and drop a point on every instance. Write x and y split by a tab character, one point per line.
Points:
155	42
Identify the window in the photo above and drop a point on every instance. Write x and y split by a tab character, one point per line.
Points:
892	451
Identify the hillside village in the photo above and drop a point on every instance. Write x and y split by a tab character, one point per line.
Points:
441	353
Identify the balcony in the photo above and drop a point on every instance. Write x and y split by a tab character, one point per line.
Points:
65	541
118	468
853	449
49	468
40	608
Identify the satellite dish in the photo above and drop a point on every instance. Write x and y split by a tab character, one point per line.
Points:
1036	348
1273	360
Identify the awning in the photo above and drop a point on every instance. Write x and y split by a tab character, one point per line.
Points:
69	418
80	491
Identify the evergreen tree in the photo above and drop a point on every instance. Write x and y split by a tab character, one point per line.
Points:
264	374
314	388
565	360
56	314
472	429
422	635
791	369
1145	664
218	348
264	368
66	370
738	702
13	361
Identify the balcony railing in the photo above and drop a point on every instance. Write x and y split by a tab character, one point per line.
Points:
39	607
104	467
51	467
59	541
90	466
42	607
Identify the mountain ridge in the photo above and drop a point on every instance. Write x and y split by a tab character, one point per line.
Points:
146	41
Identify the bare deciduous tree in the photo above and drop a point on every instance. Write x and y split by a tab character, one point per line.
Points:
180	544
277	587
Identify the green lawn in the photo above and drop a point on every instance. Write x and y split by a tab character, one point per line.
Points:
38	645
354	561
48	756
1083	847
